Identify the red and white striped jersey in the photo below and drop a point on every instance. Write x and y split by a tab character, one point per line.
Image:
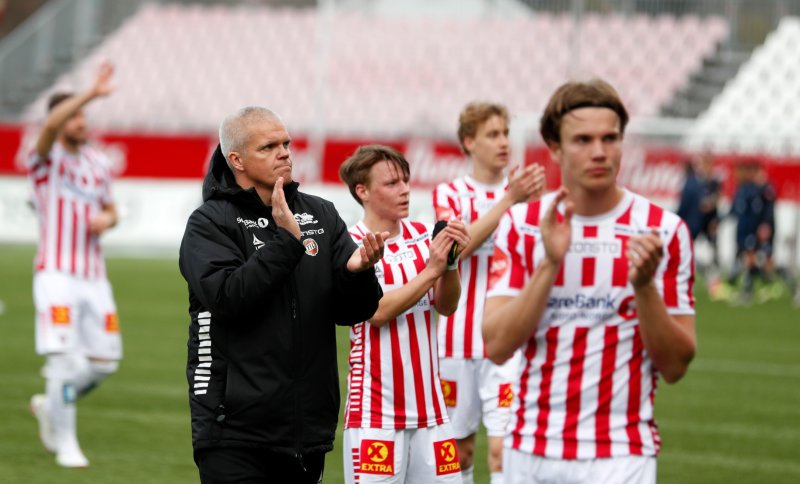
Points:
460	334
394	370
67	190
586	386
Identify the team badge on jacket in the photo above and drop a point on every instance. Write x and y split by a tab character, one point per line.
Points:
311	247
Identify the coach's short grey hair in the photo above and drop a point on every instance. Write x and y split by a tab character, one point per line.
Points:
233	132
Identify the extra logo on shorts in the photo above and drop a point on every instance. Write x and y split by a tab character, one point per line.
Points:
60	315
446	457
311	247
112	323
450	391
505	395
377	457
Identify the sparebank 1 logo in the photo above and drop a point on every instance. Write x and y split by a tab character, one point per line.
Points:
377	457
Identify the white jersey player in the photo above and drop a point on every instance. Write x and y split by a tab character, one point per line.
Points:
474	386
594	284
76	318
396	425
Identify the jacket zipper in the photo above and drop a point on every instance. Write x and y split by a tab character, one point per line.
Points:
296	360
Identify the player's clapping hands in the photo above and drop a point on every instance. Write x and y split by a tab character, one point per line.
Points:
557	234
644	254
526	184
370	252
455	232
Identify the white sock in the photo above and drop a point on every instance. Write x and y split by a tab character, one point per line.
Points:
496	478
61	406
467	475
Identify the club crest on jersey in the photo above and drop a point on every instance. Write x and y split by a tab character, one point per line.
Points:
450	391
311	247
304	218
60	315
499	266
262	222
505	395
377	457
112	323
257	243
446	457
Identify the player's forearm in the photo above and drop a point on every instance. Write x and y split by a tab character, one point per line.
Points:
396	302
56	119
508	324
669	340
483	228
446	293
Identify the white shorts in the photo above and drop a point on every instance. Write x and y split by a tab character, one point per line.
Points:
401	456
475	388
523	468
75	316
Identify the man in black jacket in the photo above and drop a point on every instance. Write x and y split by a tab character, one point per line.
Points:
270	270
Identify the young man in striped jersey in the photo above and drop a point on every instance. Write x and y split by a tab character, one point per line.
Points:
474	386
396	425
594	285
76	317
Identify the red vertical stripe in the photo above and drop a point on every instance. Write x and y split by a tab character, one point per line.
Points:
625	218
397	378
87	243
635	395
59	231
469	322
671	272
416	371
588	263
435	382
449	331
574	393
388	275
530	245
530	352
654	215
419	262
516	276
605	389
560	277
376	400
619	276
543	402
74	248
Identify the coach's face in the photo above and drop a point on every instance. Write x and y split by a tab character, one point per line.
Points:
265	156
590	149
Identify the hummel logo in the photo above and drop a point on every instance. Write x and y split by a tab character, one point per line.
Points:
257	243
304	218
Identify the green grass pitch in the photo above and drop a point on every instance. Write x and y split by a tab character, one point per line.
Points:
734	418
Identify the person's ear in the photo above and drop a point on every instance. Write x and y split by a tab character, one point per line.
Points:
236	161
554	148
362	192
469	143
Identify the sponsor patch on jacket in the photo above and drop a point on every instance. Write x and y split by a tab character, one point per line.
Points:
505	395
60	315
446	457
450	391
311	247
377	457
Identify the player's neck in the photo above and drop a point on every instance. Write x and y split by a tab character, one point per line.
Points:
69	145
486	175
377	224
589	203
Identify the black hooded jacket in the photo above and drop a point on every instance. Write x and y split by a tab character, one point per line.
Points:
262	346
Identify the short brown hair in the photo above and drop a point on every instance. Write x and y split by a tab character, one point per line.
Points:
57	98
473	116
595	93
355	170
